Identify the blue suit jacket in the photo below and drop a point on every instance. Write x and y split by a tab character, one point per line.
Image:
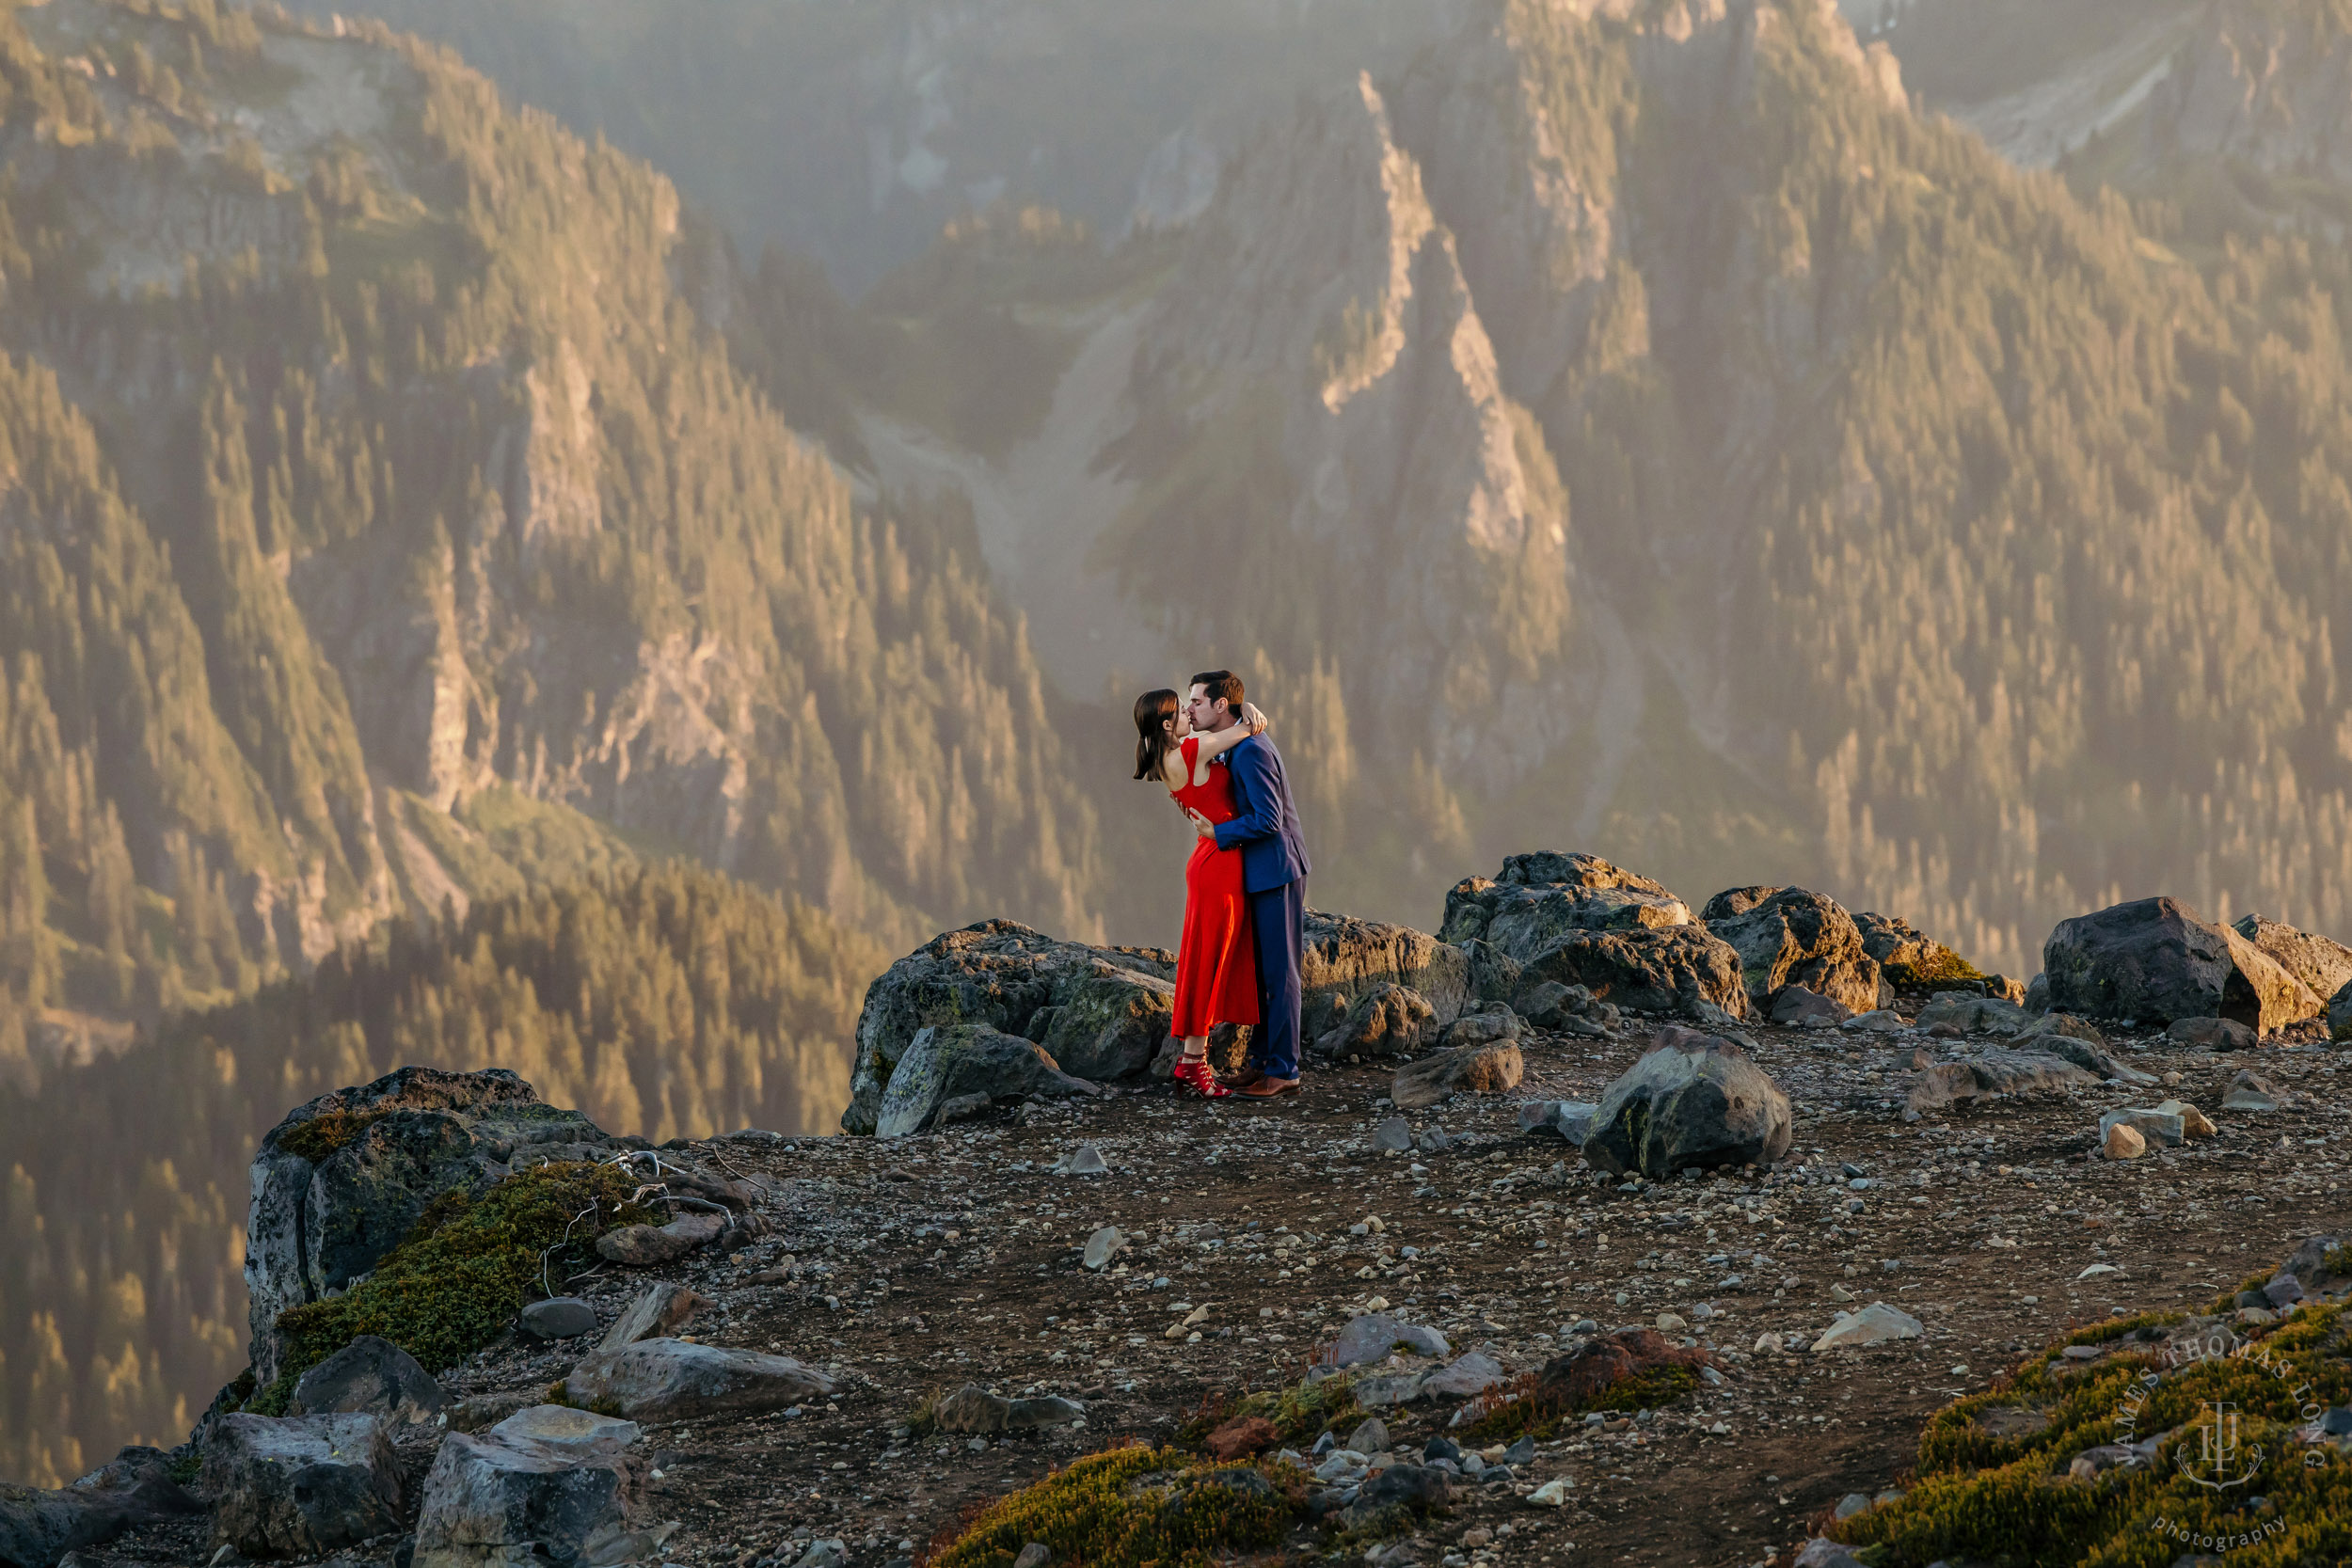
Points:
1273	850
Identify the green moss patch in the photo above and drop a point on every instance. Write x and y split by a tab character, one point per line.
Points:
1136	1508
2217	1414
463	1272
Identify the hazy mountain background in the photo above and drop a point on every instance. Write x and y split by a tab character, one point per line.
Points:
465	597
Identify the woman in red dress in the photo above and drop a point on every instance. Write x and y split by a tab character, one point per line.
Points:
1216	962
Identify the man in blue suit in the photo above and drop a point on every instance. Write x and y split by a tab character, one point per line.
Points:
1274	874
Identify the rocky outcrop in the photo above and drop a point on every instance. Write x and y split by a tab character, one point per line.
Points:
1573	920
1970	1013
1792	937
1002	975
542	1485
1586	1376
300	1485
2152	960
1905	954
2319	962
1693	1100
1101	1014
40	1526
1343	959
973	1409
2072	1039
1673	969
1538	899
1111	1024
339	1180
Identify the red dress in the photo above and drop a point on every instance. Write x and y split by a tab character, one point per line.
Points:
1216	963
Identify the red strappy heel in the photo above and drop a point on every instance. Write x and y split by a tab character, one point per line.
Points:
1195	1071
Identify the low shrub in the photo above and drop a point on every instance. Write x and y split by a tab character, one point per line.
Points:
327	1131
1630	1369
1300	1413
2009	1499
1135	1506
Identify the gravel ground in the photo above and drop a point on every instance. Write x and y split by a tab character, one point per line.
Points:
911	1268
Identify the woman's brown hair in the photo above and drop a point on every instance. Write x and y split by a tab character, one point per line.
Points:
1154	710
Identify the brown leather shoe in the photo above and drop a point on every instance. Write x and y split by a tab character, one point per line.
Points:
1243	1077
1267	1088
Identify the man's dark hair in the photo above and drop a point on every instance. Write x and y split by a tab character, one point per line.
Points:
1220	683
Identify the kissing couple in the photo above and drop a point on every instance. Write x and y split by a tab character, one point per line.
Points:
1244	887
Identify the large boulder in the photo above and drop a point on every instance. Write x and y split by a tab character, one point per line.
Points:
547	1484
1538	899
1110	1024
2340	1014
1003	975
1908	957
340	1179
2152	960
677	1380
1663	970
2320	962
1692	1100
947	1062
1342	959
300	1485
370	1376
40	1526
1791	937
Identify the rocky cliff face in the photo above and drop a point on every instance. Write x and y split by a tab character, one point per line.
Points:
2264	85
1415	508
1621	426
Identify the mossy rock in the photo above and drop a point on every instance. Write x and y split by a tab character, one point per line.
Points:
2221	1467
467	1267
1136	1507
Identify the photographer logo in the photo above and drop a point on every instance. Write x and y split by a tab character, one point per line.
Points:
2218	1459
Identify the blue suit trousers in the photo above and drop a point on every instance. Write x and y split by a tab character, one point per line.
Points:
1279	914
